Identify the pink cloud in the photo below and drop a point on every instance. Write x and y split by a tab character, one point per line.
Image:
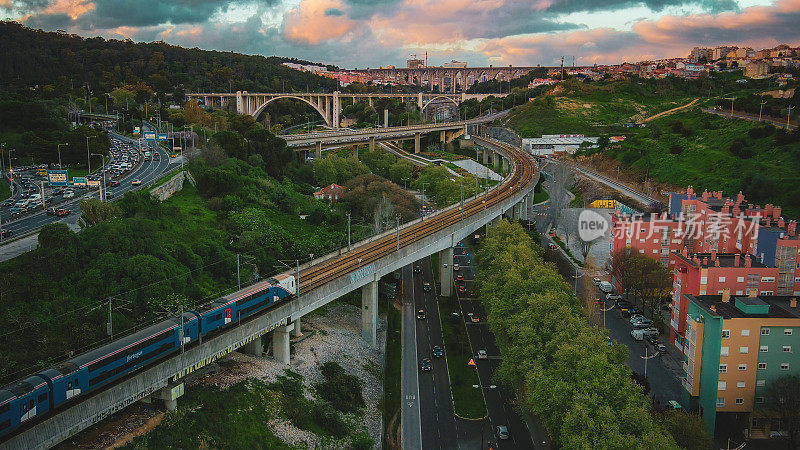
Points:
308	22
71	8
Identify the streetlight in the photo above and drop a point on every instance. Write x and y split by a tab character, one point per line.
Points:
760	110
103	187
59	155
88	160
731	99
789	114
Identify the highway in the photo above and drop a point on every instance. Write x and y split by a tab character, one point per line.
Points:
410	416
146	171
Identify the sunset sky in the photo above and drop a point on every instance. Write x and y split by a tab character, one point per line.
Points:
370	33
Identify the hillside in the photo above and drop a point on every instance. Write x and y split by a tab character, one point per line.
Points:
65	62
684	147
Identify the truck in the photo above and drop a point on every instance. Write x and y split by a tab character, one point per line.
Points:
606	287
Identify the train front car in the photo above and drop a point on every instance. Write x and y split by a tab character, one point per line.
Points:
22	401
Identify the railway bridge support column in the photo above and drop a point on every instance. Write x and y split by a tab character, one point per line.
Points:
280	344
254	348
170	395
297	330
369	313
416	142
319	149
446	271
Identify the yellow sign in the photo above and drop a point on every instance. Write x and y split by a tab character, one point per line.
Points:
602	203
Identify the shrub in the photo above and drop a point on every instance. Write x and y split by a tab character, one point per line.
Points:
676	149
341	389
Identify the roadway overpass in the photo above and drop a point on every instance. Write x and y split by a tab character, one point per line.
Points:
321	281
328	105
448	131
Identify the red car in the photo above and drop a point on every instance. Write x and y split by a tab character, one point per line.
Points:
63	212
459	277
462	290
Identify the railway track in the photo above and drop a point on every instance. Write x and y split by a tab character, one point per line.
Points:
523	173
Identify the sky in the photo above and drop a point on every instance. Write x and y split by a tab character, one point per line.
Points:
373	33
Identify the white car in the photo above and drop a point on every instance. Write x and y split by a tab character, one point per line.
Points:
69	193
136	182
482	354
636	318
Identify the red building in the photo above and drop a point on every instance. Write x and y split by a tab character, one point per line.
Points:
711	274
331	193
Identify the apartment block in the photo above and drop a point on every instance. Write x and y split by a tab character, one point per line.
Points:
698	274
736	346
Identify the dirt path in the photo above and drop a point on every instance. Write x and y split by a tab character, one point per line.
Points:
670	111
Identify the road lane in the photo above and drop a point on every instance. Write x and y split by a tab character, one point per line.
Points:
409	386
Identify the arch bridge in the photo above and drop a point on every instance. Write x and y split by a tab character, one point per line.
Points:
328	105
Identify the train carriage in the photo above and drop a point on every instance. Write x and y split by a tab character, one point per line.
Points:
23	401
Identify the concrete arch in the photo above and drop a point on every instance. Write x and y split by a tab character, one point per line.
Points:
434	98
295	97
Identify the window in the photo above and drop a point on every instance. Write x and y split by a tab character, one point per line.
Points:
721	385
726	334
787	349
740	279
723	368
720	402
784	366
744	350
723	351
703	280
762	366
721	279
766	293
787	331
763	348
761	383
655	250
759	399
745	332
740	401
742	366
641	241
739	292
740	384
767	279
765	331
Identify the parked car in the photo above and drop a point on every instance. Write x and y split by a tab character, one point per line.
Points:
437	351
636	317
613	297
596	280
421	314
650	331
551	246
606	287
651	339
643	323
661	348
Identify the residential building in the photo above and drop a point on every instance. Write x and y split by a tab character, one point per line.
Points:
757	69
453	64
331	193
711	274
735	346
721	52
415	63
701	54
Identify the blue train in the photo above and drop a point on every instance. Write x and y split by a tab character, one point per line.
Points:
39	394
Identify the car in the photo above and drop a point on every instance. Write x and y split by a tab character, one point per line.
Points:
69	193
51	211
613	297
63	212
455	267
596	280
110	195
482	354
551	246
462	289
425	365
599	301
9	202
417	269
652	339
437	351
623	304
471	292
421	314
473	318
113	183
650	331
4	233
502	432
136	182
459	277
644	323
426	286
636	317
661	348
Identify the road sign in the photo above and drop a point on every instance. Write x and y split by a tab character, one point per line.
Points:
150	135
57	177
602	203
163	136
471	362
93	183
79	181
136	130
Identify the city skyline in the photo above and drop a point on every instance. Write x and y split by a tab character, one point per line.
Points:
357	34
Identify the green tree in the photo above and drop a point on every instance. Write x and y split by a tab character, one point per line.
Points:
783	397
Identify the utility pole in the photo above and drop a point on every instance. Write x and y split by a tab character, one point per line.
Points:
298	281
348	231
760	110
238	278
59	156
789	114
397	218
110	323
731	99
183	340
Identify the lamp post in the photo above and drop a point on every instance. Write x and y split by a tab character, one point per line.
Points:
760	110
789	114
59	155
731	99
88	160
103	187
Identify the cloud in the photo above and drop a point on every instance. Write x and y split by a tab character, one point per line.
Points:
571	6
310	23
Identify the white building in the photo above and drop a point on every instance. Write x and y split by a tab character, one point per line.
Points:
550	144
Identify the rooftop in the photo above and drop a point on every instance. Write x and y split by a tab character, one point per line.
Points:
725	259
771	306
